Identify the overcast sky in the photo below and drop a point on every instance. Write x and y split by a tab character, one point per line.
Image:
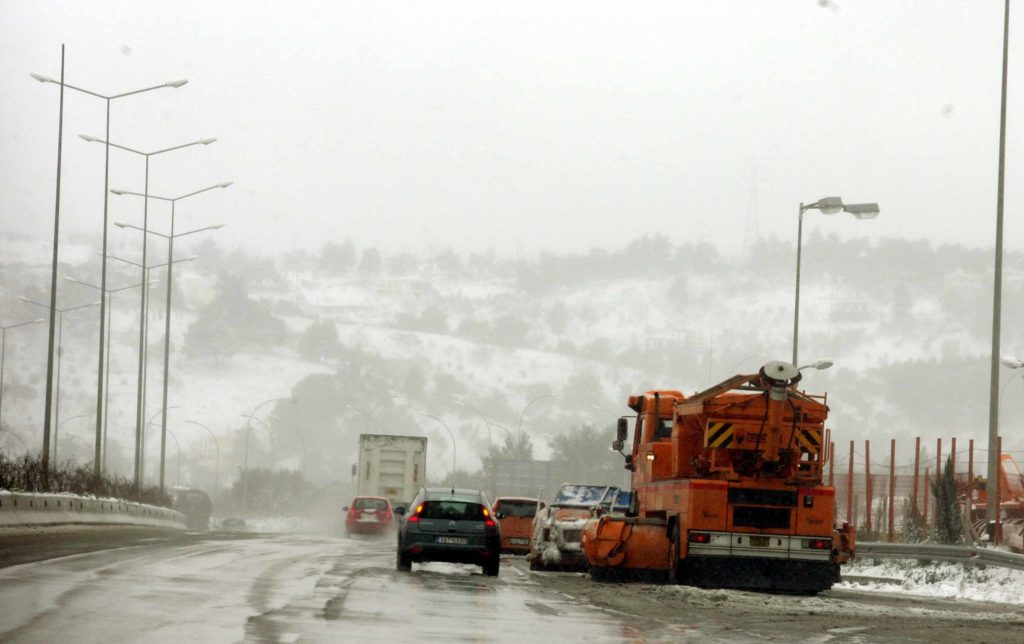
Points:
517	126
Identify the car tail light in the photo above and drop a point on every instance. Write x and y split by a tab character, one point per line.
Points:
415	516
353	511
489	523
819	544
700	537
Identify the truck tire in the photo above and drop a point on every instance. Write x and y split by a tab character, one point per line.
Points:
675	564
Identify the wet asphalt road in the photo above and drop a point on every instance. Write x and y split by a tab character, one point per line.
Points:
99	585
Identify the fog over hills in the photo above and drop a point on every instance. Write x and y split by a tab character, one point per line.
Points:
367	340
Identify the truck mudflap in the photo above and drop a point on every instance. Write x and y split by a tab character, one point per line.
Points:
633	543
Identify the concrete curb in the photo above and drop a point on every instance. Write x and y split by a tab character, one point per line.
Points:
25	509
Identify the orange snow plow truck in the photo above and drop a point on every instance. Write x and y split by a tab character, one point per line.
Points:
727	490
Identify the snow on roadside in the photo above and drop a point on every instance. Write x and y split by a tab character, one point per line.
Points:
942	580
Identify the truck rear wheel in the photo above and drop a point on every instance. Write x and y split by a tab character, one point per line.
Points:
675	564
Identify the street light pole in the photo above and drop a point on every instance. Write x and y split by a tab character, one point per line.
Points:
60	337
145	440
170	269
3	351
443	424
521	437
991	487
245	458
103	271
144	334
270	439
827	206
106	369
490	441
216	443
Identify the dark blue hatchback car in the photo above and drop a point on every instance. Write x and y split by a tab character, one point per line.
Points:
450	524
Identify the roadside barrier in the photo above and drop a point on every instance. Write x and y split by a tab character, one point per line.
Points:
939	552
25	509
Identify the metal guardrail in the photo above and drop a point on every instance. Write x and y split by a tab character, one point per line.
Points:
940	552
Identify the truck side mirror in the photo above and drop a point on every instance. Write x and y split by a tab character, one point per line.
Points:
617	445
355	469
629	463
621	430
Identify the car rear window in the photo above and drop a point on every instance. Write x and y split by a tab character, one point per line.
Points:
460	510
522	509
371	504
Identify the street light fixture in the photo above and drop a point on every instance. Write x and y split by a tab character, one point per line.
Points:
170	272
103	270
216	443
3	350
827	206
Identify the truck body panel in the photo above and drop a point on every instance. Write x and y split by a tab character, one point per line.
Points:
391	466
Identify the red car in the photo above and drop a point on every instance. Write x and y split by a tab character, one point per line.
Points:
368	515
515	514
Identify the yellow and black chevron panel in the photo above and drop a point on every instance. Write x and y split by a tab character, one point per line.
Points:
809	439
718	435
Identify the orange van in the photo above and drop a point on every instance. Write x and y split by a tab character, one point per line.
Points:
515	514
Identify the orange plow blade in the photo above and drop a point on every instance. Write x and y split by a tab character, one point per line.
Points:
627	543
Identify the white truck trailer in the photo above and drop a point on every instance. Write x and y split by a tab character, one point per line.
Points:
391	466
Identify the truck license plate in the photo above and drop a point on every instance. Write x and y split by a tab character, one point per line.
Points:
518	541
760	542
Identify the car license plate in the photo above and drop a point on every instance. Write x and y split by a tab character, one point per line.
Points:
460	541
368	519
760	542
517	541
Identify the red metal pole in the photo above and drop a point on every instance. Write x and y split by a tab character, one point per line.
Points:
849	489
917	472
970	480
892	488
867	485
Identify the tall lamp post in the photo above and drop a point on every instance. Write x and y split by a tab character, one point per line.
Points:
490	441
452	435
3	351
60	337
103	271
245	458
827	206
270	437
216	443
991	487
170	273
143	295
56	431
106	369
145	438
521	437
